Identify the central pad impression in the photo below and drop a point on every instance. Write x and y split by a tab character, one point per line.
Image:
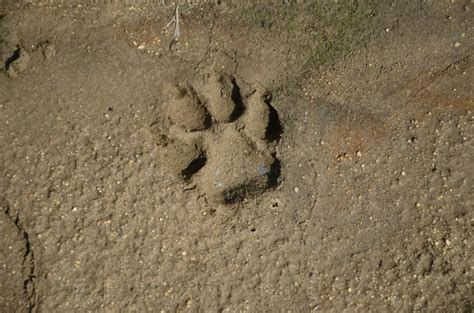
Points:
212	136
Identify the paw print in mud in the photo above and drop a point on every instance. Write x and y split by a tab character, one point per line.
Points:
224	143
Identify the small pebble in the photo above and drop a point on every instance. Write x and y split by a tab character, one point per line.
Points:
457	44
296	189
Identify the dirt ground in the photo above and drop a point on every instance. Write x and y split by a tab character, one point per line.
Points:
282	157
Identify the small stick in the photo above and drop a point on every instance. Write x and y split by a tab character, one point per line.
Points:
175	20
177	33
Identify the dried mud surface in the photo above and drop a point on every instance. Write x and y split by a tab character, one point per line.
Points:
286	157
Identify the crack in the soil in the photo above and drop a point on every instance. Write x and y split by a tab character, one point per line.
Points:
434	76
28	262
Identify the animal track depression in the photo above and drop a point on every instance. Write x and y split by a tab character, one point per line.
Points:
219	139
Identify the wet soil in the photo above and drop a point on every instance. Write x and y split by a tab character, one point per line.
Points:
342	131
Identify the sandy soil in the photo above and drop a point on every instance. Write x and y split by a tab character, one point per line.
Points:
276	158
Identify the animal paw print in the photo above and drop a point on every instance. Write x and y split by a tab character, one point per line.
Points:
224	143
